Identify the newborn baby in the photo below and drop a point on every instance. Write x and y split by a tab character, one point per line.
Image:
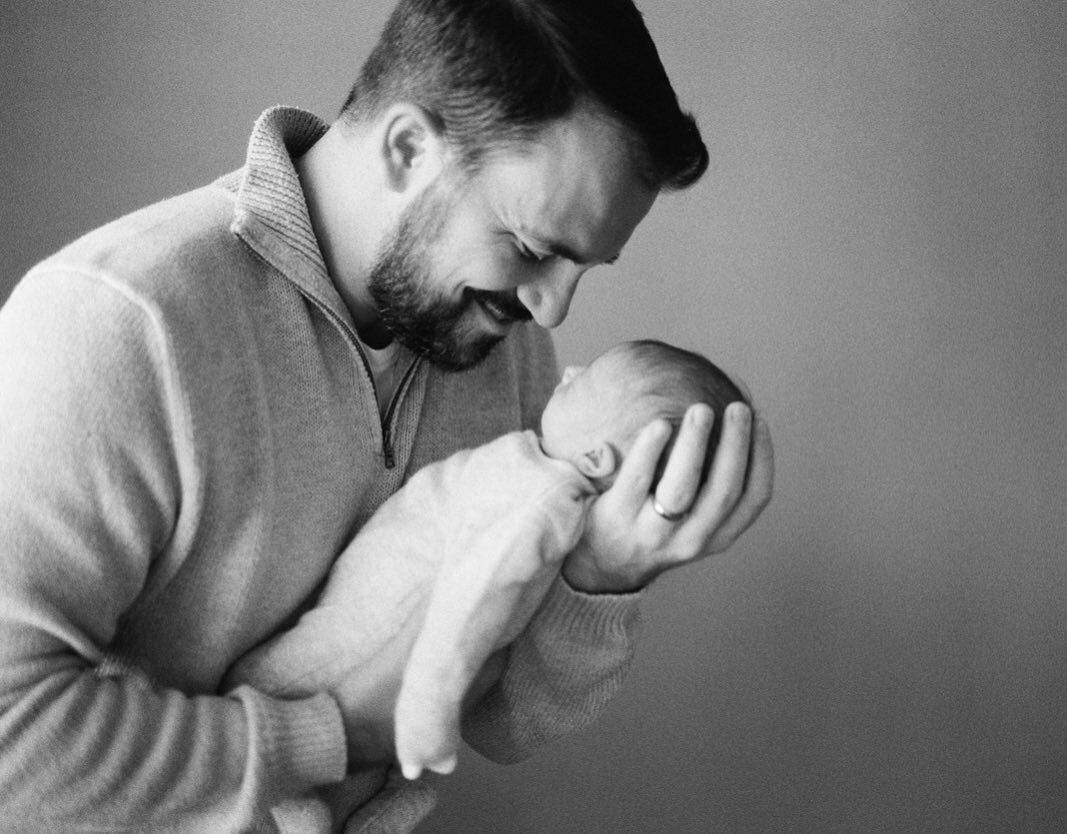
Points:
485	533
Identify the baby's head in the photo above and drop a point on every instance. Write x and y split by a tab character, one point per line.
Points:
596	412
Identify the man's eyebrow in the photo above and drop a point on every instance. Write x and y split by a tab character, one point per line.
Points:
562	250
565	251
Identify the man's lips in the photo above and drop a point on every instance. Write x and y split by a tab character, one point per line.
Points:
504	309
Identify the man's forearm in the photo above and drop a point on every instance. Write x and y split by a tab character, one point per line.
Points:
114	753
558	675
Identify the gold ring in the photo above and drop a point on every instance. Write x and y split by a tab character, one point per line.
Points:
662	513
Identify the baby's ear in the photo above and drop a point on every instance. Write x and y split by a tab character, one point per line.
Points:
598	462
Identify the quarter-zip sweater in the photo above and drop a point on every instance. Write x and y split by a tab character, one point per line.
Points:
189	435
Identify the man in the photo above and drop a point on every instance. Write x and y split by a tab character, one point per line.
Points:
204	401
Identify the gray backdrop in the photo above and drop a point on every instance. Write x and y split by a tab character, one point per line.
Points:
878	249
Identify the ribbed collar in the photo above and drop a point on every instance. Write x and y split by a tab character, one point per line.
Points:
271	215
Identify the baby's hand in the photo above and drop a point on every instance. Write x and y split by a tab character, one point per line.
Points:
426	739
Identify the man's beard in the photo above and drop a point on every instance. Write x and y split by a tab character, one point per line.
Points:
443	330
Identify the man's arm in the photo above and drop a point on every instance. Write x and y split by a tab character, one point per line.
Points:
87	500
557	677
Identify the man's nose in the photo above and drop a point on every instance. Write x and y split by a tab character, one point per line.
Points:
549	297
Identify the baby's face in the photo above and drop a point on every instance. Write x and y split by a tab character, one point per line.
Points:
592	404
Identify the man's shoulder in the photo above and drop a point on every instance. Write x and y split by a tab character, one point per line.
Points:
171	255
176	262
178	234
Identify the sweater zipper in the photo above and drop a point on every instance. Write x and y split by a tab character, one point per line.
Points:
387	421
388	452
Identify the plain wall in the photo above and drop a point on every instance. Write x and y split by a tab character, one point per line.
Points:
878	249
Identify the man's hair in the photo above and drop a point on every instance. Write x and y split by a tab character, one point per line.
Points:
494	72
670	380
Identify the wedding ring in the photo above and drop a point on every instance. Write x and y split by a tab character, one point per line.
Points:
662	513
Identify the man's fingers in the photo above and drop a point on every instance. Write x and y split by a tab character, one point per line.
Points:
758	489
726	482
678	487
638	469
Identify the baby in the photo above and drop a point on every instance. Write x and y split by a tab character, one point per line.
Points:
485	533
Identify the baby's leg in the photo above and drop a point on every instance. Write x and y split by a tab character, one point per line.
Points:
366	619
327	645
480	602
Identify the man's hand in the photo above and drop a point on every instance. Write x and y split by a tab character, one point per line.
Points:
627	543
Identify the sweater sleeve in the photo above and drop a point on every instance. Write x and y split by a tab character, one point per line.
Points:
555	679
88	494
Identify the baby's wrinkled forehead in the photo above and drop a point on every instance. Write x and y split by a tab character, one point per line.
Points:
623	388
619	366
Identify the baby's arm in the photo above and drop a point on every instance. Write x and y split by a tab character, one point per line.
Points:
480	603
484	596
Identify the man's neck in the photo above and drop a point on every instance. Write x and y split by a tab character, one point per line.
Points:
375	335
338	191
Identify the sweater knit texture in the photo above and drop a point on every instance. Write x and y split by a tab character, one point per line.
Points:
189	436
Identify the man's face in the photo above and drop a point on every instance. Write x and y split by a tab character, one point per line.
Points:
471	257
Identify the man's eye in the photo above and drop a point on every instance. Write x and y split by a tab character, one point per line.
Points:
528	254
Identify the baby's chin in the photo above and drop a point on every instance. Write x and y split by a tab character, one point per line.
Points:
567	453
555	447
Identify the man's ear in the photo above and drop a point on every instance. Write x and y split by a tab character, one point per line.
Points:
413	147
598	462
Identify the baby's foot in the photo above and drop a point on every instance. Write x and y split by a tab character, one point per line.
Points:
427	712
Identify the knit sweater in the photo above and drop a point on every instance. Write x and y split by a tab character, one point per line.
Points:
481	538
189	435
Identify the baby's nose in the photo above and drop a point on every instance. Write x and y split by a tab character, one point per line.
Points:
571	371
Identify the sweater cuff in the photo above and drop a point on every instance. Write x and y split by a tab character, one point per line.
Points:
597	614
300	743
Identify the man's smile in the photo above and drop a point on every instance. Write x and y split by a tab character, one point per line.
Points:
502	309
